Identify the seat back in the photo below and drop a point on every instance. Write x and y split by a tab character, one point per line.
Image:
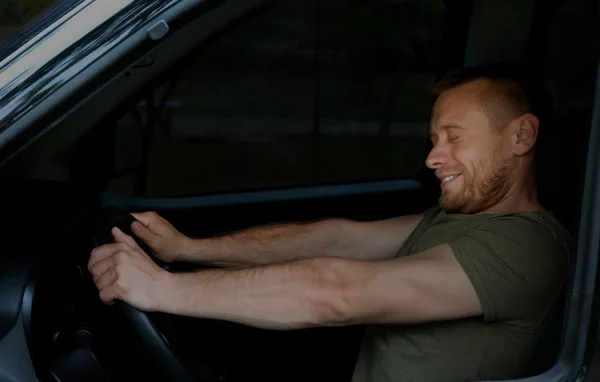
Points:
561	161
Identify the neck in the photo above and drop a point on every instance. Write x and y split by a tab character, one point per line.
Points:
522	195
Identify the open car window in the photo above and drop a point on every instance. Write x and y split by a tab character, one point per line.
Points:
300	94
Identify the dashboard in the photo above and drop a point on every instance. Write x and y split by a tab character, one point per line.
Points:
47	318
16	363
46	325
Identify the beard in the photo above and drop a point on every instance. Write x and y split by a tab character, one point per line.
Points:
482	189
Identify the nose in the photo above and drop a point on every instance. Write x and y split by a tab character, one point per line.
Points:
438	156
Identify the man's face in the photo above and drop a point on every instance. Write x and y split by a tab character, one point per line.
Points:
471	157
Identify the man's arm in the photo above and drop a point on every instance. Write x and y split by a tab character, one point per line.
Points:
429	286
376	240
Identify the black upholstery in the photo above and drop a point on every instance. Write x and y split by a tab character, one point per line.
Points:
561	166
561	173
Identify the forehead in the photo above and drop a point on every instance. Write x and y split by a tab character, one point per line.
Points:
461	106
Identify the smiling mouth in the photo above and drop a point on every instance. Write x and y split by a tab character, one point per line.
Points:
449	178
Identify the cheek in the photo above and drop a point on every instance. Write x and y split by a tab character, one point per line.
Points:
472	156
462	156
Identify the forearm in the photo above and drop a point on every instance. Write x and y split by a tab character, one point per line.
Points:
298	294
341	238
268	244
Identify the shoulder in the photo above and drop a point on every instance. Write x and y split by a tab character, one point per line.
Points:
532	233
527	241
515	260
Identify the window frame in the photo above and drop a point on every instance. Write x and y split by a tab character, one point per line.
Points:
117	43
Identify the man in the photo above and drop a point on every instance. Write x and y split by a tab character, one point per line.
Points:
463	291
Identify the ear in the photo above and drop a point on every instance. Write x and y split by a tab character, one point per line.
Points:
524	133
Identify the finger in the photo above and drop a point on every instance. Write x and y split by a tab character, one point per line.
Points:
108	278
101	267
141	231
104	251
108	295
145	218
121	237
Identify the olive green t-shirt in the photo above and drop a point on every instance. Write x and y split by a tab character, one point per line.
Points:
518	264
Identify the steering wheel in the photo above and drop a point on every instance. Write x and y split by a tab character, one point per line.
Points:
143	324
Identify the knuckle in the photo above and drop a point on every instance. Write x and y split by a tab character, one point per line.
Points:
95	269
121	287
96	252
105	295
119	272
121	257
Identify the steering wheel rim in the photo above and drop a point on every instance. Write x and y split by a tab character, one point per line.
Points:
152	339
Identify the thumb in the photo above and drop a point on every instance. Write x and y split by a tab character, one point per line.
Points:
142	231
121	237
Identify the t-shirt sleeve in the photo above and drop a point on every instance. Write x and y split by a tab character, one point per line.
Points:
516	266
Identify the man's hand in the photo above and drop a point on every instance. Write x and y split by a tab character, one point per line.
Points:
123	271
166	242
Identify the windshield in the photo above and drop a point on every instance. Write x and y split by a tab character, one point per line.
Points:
35	53
20	20
32	74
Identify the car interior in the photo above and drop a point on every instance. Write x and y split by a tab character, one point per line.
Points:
257	112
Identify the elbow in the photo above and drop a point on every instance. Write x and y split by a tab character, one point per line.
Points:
336	288
336	231
339	312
